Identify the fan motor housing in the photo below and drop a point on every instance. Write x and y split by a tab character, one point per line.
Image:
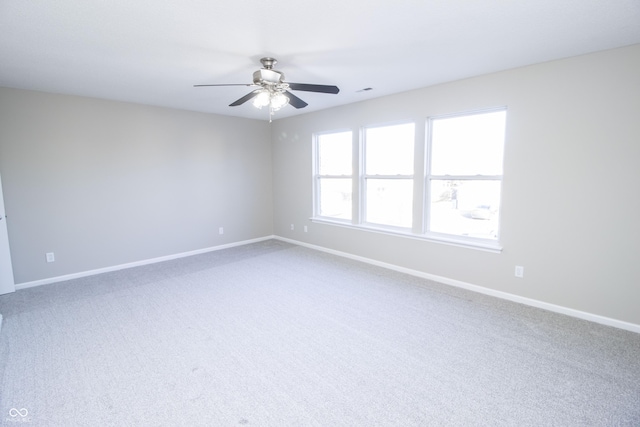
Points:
270	77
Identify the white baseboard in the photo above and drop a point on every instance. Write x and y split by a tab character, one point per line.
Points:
50	280
480	289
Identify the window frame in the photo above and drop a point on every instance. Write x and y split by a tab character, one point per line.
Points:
426	205
421	178
317	177
364	176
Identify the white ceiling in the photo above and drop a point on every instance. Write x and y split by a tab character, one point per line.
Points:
154	51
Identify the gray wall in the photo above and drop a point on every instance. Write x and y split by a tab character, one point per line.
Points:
103	183
571	202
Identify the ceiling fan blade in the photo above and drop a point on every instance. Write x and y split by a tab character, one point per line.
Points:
294	101
313	88
232	84
245	98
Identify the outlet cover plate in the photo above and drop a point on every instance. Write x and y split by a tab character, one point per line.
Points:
519	271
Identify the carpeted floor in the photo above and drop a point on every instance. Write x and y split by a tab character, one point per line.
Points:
272	334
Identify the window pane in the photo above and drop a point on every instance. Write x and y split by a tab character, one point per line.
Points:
465	208
389	150
390	202
334	154
335	197
468	145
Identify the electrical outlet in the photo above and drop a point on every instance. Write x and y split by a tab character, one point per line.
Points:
292	227
50	257
306	229
519	271
221	230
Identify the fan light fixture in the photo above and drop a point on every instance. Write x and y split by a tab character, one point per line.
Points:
262	99
273	99
278	101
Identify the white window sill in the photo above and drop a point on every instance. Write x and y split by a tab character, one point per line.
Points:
471	243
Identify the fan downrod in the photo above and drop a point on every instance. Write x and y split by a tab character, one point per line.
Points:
268	63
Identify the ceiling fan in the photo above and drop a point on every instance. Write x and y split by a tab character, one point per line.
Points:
273	91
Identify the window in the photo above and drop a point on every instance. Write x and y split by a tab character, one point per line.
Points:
388	175
465	174
334	175
456	197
